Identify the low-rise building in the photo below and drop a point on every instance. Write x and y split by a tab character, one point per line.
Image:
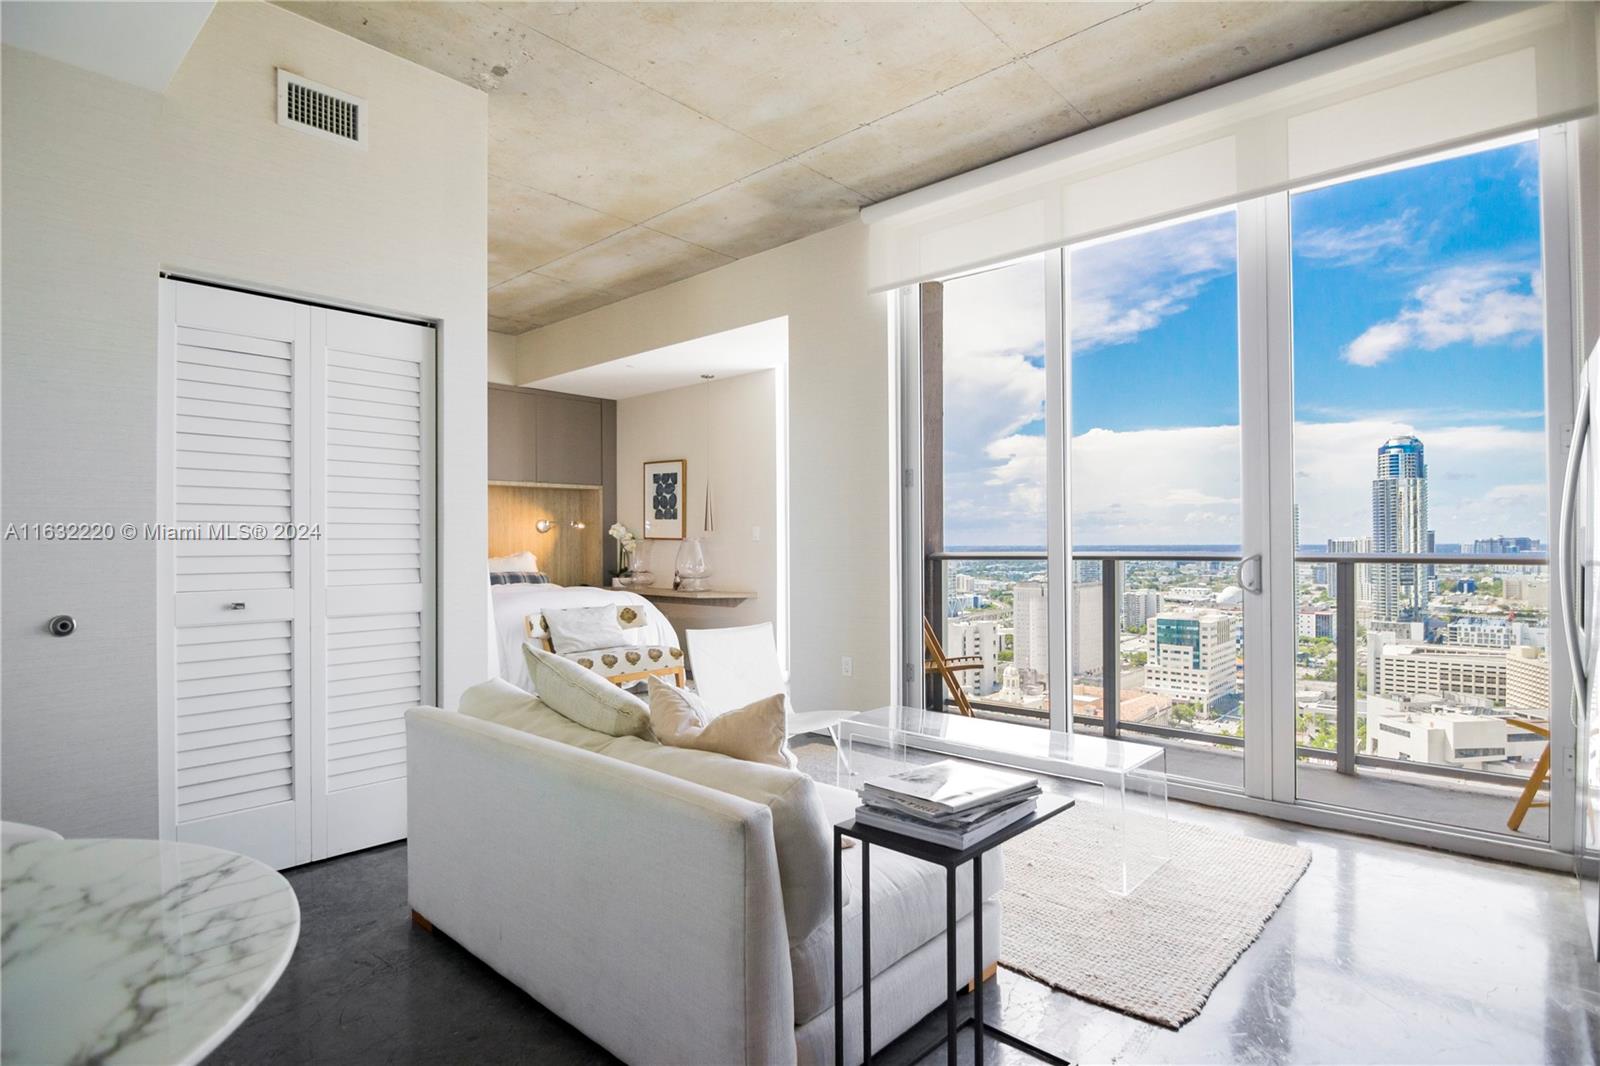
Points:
1396	668
1527	679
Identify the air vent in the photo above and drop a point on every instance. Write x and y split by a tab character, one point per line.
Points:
319	110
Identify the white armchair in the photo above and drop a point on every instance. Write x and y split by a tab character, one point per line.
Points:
736	666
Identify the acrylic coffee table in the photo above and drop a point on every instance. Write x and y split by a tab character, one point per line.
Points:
1131	777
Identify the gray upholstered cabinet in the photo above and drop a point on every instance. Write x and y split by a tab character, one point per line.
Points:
546	438
568	448
511	435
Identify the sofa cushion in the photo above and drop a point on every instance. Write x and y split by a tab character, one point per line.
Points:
589	700
505	704
801	832
908	910
754	733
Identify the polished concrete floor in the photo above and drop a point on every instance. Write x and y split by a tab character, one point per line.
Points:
1383	953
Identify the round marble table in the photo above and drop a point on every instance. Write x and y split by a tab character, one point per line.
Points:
135	950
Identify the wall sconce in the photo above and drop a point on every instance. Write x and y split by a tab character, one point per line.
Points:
544	525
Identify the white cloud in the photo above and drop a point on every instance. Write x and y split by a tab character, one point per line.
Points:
1156	486
1129	285
1472	471
1356	245
993	388
1475	304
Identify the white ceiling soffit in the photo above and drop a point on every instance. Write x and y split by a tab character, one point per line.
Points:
138	42
745	350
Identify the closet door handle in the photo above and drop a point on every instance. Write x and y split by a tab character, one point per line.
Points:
236	606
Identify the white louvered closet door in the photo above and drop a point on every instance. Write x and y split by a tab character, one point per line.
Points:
288	661
373	603
235	685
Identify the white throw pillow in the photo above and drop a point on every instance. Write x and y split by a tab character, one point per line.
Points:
754	733
583	696
523	562
575	629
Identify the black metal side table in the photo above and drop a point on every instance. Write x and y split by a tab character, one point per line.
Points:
951	859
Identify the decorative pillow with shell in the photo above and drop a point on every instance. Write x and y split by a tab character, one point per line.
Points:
629	659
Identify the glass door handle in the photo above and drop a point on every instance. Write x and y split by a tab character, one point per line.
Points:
1247	575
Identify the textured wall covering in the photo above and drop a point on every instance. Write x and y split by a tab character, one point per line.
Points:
105	185
841	431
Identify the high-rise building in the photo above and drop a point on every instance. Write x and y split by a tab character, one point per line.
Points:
1528	590
1087	641
1030	616
1191	656
1400	525
985	638
1139	606
1504	545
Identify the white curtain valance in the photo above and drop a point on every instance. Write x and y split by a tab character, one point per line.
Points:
1468	73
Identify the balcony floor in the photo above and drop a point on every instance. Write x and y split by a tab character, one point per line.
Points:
1442	800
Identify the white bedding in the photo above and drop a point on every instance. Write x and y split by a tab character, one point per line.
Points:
513	604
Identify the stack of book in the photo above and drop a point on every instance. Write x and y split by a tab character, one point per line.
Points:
949	803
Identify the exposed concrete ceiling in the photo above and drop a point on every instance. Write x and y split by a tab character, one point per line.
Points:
635	144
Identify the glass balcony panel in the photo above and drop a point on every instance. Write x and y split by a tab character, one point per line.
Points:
1451	707
996	627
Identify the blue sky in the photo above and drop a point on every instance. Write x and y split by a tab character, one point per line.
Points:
1417	309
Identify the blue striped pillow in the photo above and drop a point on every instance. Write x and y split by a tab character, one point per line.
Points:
515	577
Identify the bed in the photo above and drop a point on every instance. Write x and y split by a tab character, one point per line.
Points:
514	603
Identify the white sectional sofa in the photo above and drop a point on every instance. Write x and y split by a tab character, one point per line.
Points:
674	905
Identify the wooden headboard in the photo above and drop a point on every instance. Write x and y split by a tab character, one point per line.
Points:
569	556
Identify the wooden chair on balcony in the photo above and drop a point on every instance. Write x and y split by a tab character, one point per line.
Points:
939	663
1541	773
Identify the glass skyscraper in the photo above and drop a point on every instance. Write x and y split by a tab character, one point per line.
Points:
1400	524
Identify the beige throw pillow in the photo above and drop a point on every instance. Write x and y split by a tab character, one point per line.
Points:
754	733
585	697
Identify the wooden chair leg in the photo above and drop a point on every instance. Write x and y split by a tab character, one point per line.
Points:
988	975
421	923
1541	770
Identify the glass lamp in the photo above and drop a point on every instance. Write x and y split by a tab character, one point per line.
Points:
690	567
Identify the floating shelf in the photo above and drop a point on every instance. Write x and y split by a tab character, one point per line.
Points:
709	597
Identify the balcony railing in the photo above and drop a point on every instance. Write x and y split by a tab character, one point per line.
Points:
1344	757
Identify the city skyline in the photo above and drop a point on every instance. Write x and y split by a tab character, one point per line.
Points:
1418	312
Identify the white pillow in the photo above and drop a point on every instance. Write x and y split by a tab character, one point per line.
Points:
522	562
585	697
575	629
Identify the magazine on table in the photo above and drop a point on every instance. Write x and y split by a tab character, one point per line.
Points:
947	835
947	788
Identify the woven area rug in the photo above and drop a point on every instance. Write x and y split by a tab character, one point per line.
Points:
1155	954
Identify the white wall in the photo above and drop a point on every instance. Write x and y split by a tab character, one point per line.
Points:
502	359
727	430
105	185
841	481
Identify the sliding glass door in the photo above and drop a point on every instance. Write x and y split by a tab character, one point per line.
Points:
1269	486
1420	433
1157	626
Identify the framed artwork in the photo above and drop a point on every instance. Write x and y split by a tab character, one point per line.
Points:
666	492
